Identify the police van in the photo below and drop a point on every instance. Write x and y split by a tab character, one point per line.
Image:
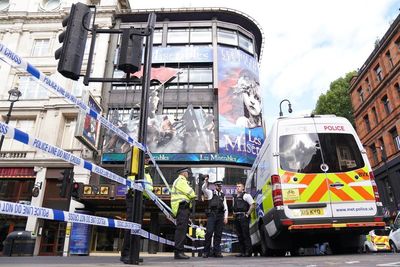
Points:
312	183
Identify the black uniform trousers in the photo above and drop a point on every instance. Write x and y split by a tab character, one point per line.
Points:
215	223
182	221
242	229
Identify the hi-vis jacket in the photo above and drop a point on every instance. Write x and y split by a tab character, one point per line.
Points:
180	192
147	183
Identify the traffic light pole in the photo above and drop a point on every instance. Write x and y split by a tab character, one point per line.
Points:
138	198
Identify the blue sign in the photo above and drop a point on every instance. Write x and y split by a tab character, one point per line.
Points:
79	240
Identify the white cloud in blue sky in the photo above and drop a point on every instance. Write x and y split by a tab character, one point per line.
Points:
308	43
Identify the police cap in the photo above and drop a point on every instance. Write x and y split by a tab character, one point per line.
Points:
218	183
186	169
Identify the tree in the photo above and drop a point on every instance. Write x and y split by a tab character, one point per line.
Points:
337	99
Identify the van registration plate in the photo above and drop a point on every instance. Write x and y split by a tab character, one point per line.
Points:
310	212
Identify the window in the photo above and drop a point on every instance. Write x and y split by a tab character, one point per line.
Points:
78	87
386	105
340	150
227	37
382	148
68	140
368	85
397	43
4	4
200	75
178	36
50	5
374	153
397	88
361	94
367	124
246	43
395	138
378	72
389	190
200	35
389	58
31	89
25	125
40	47
157	36
375	115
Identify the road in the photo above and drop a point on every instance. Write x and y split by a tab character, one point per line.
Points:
166	260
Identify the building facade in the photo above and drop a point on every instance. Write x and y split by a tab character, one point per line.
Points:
204	104
375	96
31	29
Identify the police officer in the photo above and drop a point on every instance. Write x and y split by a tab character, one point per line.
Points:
147	184
217	215
243	205
181	196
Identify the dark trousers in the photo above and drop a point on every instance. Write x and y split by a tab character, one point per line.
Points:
243	233
182	221
215	223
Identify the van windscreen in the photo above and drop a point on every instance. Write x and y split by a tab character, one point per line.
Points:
304	153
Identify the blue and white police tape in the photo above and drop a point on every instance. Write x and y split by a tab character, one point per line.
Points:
18	135
16	61
17	209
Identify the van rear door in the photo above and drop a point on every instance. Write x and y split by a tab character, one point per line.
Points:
347	171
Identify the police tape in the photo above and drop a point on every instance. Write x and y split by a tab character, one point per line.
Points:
20	136
17	209
18	62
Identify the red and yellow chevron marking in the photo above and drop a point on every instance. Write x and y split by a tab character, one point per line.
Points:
316	187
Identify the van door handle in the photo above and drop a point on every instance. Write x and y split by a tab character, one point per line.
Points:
336	185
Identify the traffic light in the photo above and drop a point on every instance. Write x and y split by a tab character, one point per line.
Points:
73	41
65	181
130	51
132	162
76	190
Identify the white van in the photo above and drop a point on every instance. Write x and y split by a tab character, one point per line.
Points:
312	183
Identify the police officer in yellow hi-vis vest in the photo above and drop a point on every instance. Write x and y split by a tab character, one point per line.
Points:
181	197
147	184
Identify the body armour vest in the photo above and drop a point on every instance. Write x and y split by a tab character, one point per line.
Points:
240	205
217	202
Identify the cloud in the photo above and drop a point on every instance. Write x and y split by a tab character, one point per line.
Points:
308	44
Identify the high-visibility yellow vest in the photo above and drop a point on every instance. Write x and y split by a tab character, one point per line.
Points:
147	183
200	233
180	192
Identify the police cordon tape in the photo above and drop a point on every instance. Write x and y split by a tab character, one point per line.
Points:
18	62
17	209
18	135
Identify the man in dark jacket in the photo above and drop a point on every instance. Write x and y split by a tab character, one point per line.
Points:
217	216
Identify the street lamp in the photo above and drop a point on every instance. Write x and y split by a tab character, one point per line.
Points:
13	96
280	107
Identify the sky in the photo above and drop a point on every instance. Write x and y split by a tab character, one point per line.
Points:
307	44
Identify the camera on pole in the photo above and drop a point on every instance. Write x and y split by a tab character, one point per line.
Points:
130	51
73	41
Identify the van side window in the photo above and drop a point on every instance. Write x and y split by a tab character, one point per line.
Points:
396	223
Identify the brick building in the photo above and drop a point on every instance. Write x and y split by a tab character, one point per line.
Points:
375	96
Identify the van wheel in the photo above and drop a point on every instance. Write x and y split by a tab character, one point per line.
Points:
393	247
264	250
367	250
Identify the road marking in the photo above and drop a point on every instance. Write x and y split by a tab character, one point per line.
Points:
397	263
352	262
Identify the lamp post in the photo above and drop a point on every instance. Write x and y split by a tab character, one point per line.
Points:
280	107
13	96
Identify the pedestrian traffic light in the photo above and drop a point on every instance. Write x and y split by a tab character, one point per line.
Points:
76	190
65	181
132	162
73	41
130	51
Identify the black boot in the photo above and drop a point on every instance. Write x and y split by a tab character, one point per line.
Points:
181	256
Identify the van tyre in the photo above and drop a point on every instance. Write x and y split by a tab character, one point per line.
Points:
393	247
